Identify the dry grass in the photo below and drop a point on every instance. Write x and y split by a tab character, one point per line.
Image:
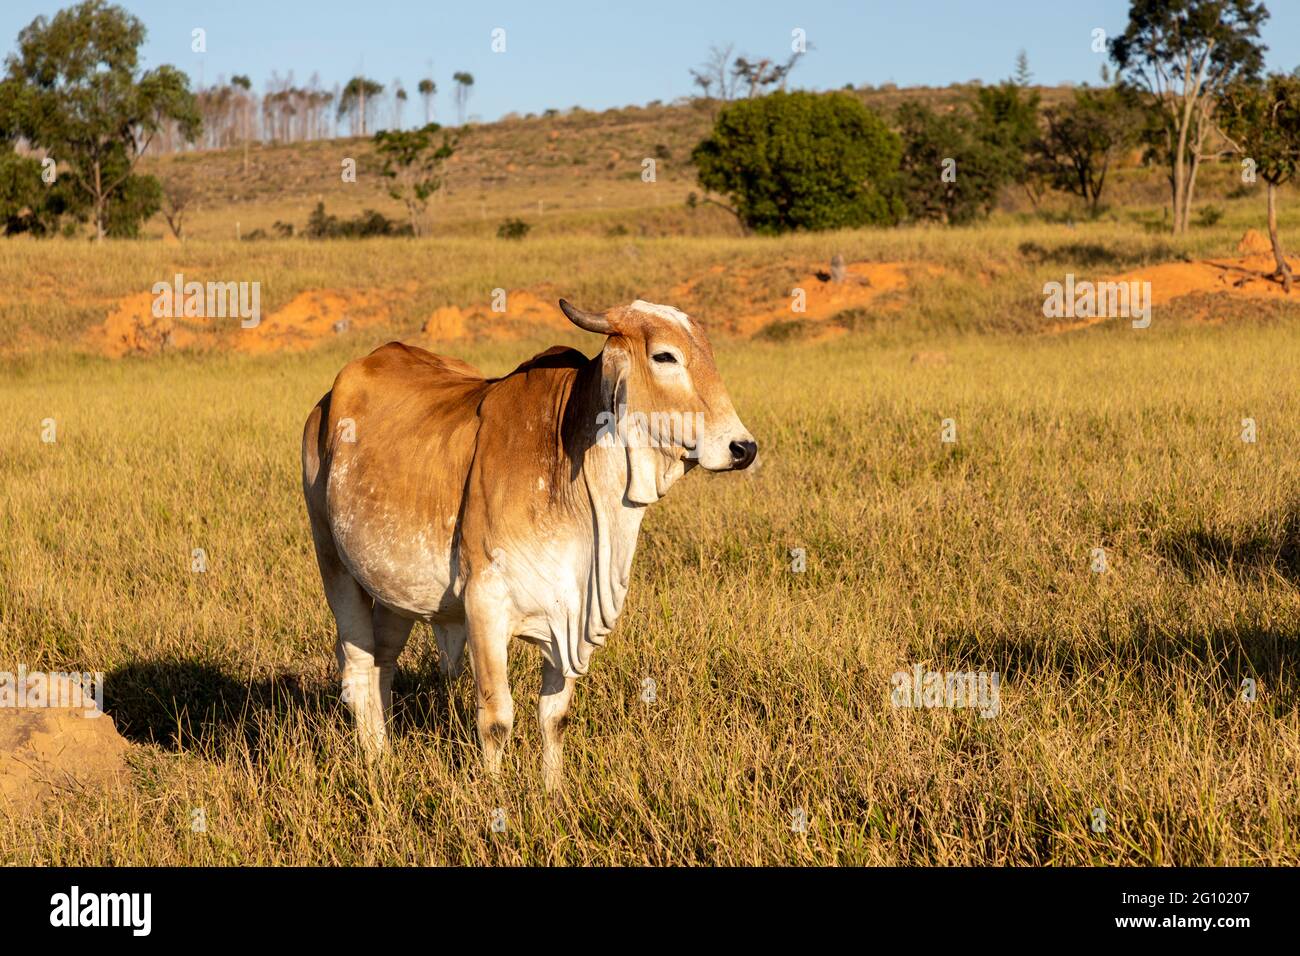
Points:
1120	691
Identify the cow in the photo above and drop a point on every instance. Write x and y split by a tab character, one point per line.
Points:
500	508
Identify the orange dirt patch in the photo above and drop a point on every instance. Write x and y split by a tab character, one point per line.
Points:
1243	277
133	329
313	316
524	311
736	301
864	284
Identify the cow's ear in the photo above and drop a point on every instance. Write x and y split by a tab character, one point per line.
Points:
643	460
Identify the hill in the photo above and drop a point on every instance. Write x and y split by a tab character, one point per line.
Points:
576	172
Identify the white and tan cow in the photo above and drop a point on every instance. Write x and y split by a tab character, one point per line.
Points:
503	508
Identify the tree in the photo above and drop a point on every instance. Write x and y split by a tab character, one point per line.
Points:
714	76
758	75
399	102
1263	122
412	160
177	196
75	89
427	89
950	172
801	161
1083	137
245	86
352	102
1022	75
1182	54
464	82
1006	119
721	77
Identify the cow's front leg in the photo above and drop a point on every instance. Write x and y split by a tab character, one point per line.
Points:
489	641
552	715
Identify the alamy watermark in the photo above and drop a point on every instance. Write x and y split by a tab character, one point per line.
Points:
1099	300
38	689
210	300
977	690
654	430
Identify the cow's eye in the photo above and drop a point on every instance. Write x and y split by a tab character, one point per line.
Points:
665	357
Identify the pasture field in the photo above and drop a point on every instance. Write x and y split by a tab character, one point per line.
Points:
1120	691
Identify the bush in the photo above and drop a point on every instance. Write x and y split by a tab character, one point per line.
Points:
322	225
802	161
1208	215
513	229
27	203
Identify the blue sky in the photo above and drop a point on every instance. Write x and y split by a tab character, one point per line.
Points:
602	54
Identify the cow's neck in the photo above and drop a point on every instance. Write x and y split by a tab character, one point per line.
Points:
614	520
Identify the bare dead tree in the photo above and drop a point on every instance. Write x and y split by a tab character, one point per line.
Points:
758	75
176	200
714	76
399	101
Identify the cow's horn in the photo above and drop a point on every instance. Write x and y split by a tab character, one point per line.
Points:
591	321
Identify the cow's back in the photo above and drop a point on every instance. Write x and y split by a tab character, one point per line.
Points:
385	458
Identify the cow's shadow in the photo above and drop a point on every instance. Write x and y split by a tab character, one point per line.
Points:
1268	548
1218	657
204	707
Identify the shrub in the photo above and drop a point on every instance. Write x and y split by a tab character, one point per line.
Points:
27	203
802	161
322	225
513	229
1208	215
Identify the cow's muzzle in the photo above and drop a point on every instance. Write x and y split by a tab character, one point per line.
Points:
743	454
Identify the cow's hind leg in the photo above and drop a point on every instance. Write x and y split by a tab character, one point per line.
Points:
351	605
355	649
355	652
391	634
552	715
451	649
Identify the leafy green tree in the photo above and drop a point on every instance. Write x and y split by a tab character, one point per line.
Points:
950	172
1006	117
1006	120
1182	54
1263	122
802	161
75	89
1083	137
412	161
